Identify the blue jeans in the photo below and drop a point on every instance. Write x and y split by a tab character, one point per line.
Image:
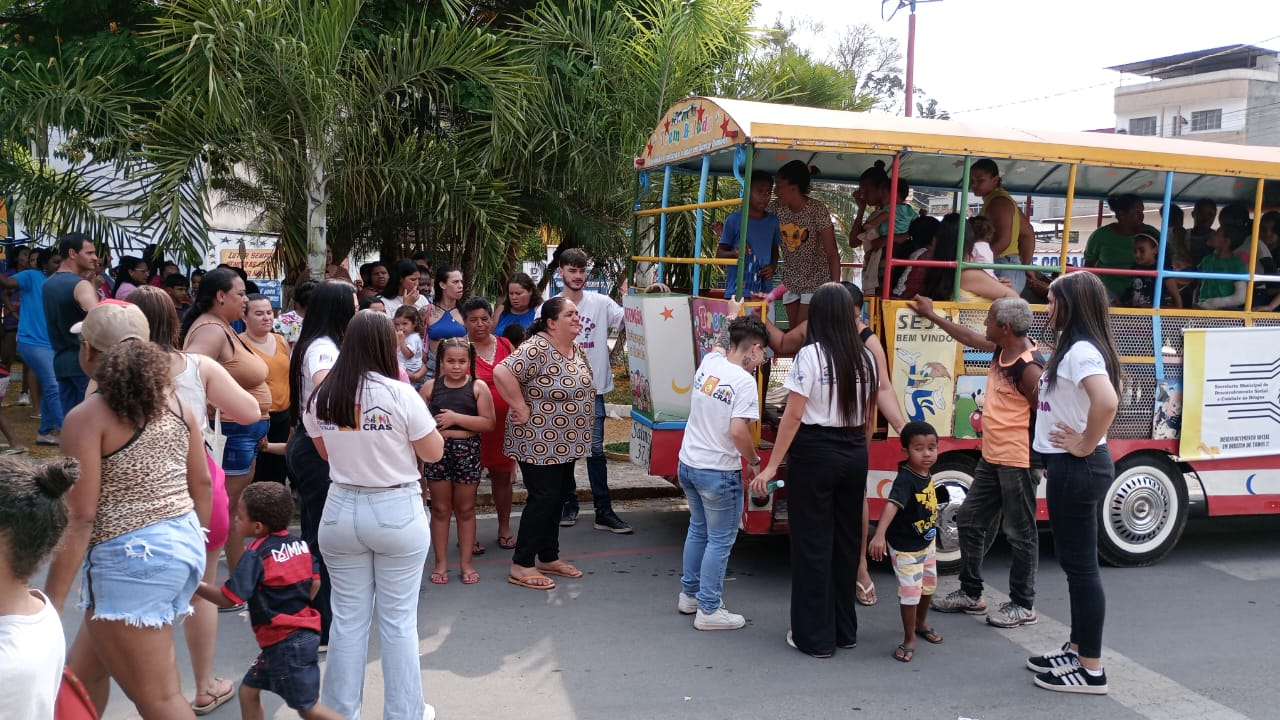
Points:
375	541
715	505
71	391
1073	488
597	469
1017	277
39	360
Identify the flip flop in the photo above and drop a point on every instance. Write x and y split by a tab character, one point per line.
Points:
866	594
507	542
930	635
571	572
217	702
470	578
440	578
528	582
15	451
476	549
903	653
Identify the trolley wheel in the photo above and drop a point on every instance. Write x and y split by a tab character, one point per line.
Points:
1144	511
955	474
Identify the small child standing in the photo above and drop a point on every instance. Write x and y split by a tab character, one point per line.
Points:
1143	290
277	578
907	527
463	408
409	344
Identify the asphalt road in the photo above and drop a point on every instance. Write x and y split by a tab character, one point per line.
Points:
1188	638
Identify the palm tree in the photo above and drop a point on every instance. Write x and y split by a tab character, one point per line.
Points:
296	118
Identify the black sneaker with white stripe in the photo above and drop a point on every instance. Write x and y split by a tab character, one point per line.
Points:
1073	679
1066	657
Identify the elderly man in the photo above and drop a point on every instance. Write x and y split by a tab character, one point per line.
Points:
1002	480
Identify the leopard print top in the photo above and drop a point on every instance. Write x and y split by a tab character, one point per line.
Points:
145	481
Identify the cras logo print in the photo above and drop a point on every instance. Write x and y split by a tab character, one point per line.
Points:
375	419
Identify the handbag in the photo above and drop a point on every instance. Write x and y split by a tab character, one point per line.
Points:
214	439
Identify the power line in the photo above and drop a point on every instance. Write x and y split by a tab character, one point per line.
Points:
1166	68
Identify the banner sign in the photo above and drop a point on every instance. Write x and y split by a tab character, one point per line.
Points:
1231	393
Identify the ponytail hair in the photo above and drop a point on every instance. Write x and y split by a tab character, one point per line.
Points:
551	310
33	514
214	282
457	342
129	383
800	174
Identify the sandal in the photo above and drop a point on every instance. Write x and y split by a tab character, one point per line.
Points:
866	594
563	569
476	549
440	578
903	653
470	578
532	582
507	542
930	635
217	701
15	451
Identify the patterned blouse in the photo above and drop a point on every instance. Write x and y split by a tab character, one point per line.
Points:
804	259
561	398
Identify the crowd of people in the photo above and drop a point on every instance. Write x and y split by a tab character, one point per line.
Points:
379	405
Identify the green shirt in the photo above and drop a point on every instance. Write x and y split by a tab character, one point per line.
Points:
1109	249
1210	289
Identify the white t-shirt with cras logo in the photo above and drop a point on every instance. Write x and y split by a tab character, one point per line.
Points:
1067	402
809	377
378	453
722	391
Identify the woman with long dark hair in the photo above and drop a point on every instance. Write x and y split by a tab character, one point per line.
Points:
130	275
547	382
200	382
402	288
207	330
375	432
136	516
520	304
332	305
445	319
823	438
1079	396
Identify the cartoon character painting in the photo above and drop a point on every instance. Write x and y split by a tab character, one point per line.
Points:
920	394
1168	419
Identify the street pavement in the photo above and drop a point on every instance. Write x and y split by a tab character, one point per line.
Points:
1188	638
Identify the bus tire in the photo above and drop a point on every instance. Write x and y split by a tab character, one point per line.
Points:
955	473
1144	511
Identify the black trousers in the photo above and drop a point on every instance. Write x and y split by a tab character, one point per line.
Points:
309	473
826	482
539	534
272	467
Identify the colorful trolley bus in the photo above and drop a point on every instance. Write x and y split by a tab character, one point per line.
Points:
1198	430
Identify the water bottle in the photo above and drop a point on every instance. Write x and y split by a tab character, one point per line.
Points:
769	488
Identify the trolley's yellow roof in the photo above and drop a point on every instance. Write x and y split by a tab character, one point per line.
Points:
843	144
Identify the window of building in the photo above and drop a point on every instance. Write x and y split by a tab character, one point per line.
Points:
1142	126
1206	120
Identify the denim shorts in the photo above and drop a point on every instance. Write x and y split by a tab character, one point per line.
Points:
242	445
290	669
145	578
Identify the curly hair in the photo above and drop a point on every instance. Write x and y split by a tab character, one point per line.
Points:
128	382
32	513
268	503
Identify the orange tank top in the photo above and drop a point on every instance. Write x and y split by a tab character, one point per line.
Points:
277	371
1006	416
248	370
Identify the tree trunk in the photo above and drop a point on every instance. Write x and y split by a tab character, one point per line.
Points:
317	216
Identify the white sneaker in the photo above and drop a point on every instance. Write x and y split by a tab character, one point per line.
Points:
687	604
721	619
429	713
23	400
